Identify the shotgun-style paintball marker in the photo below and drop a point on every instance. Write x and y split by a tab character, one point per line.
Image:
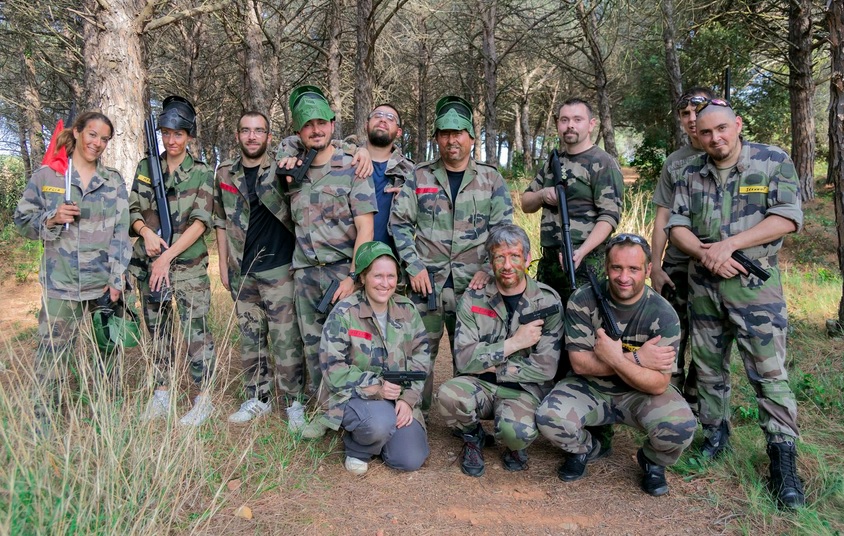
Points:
163	226
607	316
565	222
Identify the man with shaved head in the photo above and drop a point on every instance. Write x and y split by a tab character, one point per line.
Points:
739	196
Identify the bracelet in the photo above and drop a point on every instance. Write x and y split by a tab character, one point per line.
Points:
636	358
143	226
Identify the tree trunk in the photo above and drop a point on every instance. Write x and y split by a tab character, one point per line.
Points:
257	97
672	67
116	76
364	64
28	164
32	109
423	62
835	26
334	60
490	58
801	89
526	137
596	56
518	140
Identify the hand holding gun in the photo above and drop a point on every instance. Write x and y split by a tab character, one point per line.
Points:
565	222
432	296
539	314
745	261
165	226
404	377
608	320
297	174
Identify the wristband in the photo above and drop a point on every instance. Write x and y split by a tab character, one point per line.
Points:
636	358
143	226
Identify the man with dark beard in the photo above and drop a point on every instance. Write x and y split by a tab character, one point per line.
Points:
255	243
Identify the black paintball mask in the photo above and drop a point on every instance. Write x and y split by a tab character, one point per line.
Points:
178	114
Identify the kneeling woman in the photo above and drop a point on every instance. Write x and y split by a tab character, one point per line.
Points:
371	332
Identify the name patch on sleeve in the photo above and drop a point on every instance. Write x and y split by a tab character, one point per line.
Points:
52	189
145	180
481	311
361	334
427	190
228	188
753	189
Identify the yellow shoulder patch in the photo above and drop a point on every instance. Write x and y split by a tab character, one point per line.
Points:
753	189
52	189
145	180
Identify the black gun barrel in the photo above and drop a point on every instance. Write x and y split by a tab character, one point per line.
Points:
165	229
565	221
322	308
541	313
607	316
746	262
404	377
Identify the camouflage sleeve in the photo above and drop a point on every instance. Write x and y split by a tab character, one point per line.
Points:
31	214
334	347
419	359
541	364
203	205
580	329
538	182
219	208
403	225
681	201
501	209
141	196
608	192
783	196
474	352
664	188
120	248
362	198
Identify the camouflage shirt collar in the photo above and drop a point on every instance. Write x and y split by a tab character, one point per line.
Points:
742	165
394	311
237	162
496	300
186	165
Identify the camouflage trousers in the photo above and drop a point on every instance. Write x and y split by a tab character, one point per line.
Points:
309	285
678	297
753	313
434	321
574	405
465	400
551	273
269	334
192	298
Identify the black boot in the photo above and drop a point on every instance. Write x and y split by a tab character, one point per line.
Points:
653	481
785	483
717	440
574	466
472	456
515	460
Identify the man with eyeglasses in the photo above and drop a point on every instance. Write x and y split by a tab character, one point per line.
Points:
739	196
620	381
440	222
670	274
255	242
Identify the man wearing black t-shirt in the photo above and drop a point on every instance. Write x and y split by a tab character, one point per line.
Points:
255	241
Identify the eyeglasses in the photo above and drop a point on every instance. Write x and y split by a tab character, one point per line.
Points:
685	101
389	116
714	102
257	131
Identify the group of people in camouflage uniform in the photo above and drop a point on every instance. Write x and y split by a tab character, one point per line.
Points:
314	266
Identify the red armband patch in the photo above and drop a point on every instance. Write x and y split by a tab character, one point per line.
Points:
481	311
361	334
427	190
228	188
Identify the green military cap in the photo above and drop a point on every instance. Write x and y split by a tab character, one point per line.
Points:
306	103
454	113
370	251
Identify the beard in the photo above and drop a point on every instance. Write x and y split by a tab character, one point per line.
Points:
380	138
257	153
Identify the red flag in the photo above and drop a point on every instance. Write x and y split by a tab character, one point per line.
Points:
56	160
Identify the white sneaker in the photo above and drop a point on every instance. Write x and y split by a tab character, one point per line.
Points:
296	417
201	410
158	406
249	410
356	466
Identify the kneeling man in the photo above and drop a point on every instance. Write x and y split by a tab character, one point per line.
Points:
507	343
620	381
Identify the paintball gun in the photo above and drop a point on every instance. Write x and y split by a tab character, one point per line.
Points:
607	316
328	296
297	174
67	175
163	226
432	296
404	377
541	313
566	247
745	261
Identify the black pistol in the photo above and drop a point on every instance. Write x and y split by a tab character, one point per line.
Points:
432	296
541	313
297	174
404	377
324	303
746	262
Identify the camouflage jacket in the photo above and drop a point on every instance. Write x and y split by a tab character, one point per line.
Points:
672	171
231	204
594	190
482	328
324	207
190	193
353	351
447	236
78	262
762	183
652	315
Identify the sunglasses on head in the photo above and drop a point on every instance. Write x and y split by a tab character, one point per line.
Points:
627	237
685	101
714	102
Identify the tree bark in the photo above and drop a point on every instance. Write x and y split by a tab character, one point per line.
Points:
32	109
596	57
364	64
835	26
801	89
672	67
334	60
490	59
423	63
256	94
